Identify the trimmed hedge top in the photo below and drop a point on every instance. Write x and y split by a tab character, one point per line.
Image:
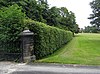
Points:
47	39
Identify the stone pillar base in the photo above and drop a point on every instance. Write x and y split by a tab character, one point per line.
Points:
29	59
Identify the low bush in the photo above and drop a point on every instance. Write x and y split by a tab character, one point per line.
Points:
47	39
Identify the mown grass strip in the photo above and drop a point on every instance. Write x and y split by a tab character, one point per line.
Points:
83	49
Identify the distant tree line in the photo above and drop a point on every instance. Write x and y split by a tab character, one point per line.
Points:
91	29
40	11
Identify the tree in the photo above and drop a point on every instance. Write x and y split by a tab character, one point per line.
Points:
53	16
44	10
76	28
33	9
11	22
95	17
64	17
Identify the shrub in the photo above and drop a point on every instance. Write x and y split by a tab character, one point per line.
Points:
11	22
47	39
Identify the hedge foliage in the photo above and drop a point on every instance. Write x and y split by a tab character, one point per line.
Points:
47	39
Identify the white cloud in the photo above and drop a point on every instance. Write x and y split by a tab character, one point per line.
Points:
81	8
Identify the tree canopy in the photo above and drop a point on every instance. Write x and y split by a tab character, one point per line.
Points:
39	10
95	17
11	22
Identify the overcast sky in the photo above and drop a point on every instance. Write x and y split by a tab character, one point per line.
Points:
81	8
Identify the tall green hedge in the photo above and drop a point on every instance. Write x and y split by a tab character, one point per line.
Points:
47	39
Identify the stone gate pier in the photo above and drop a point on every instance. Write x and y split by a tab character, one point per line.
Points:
27	46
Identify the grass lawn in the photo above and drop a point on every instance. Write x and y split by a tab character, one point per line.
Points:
83	49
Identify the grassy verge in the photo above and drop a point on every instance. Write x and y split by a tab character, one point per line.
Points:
83	49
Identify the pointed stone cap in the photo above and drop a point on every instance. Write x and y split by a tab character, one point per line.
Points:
26	32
